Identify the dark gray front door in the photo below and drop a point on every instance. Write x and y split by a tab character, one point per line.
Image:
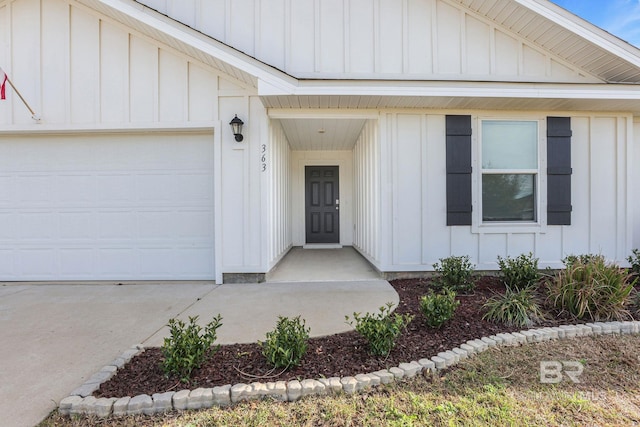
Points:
322	204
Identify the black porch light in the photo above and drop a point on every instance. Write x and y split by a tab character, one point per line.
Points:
236	126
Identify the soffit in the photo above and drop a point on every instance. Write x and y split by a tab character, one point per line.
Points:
456	95
322	134
565	35
451	103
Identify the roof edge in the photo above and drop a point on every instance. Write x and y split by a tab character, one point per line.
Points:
273	81
456	89
204	43
585	29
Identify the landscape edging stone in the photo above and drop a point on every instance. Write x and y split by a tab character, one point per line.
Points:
82	402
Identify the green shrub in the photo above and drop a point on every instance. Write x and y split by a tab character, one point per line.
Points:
455	274
380	330
634	260
583	259
514	308
520	272
635	305
187	346
438	308
592	290
285	346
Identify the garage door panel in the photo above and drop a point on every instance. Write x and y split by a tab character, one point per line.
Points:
157	261
8	228
38	226
7	263
77	262
34	190
113	188
36	263
7	187
116	262
194	225
120	226
158	188
77	226
158	225
75	190
195	189
107	207
194	259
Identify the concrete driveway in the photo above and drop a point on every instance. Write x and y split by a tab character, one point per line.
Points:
54	337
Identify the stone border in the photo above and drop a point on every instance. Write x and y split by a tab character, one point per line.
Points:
81	400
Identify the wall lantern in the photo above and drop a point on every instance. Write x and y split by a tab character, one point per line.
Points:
236	126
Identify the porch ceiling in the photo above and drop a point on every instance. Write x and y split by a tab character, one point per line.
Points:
306	134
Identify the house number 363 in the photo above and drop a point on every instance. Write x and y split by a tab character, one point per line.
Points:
263	157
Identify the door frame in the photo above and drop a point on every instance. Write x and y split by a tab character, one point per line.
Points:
344	161
334	210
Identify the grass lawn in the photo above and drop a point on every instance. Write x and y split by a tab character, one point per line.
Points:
498	387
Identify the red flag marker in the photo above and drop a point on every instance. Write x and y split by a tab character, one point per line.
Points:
3	79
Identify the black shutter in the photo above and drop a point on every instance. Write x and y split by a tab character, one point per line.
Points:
458	170
559	170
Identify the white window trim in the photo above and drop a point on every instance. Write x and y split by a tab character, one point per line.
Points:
477	224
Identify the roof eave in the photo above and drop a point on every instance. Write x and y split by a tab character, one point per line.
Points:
174	30
584	29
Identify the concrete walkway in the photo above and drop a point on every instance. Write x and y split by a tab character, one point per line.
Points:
54	337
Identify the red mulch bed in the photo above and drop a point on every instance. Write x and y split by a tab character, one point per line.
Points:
332	356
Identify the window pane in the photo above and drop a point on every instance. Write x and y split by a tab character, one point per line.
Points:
508	197
509	145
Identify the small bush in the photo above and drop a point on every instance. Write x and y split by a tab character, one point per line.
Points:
438	308
635	305
520	272
514	308
455	274
592	290
285	346
582	259
380	330
634	260
186	347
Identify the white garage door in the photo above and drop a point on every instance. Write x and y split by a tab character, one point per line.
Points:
107	207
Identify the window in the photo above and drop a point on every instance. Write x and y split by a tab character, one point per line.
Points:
510	170
514	181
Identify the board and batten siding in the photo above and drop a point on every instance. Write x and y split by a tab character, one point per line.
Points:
400	39
635	190
83	72
279	172
366	190
413	180
76	67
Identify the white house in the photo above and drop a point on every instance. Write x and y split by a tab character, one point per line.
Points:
409	129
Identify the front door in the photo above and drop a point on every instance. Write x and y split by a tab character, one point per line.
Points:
322	204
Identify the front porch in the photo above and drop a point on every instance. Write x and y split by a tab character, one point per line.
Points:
322	176
322	265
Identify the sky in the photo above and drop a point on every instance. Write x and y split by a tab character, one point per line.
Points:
619	17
